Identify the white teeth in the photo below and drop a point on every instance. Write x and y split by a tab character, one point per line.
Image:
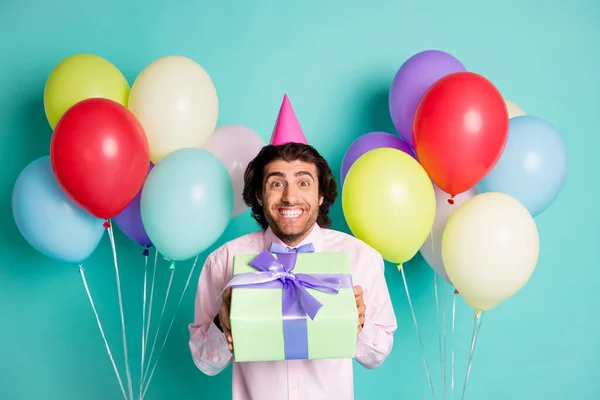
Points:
290	213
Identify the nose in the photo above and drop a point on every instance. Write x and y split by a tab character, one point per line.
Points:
289	194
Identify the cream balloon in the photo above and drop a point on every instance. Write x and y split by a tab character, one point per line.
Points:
490	248
513	109
176	102
432	248
235	146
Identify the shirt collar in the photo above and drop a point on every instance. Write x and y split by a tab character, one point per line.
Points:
315	237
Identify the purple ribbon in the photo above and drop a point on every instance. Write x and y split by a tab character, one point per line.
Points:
297	302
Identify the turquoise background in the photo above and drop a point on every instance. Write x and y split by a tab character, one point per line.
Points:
336	60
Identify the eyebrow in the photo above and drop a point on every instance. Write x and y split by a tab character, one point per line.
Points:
282	175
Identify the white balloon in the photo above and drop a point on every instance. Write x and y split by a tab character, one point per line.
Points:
176	102
432	248
235	146
490	248
513	109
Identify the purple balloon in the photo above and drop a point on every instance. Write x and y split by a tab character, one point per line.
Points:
368	142
411	82
130	220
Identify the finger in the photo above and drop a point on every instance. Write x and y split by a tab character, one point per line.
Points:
229	339
358	291
225	325
361	306
361	322
227	295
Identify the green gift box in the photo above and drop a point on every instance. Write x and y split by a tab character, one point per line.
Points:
272	320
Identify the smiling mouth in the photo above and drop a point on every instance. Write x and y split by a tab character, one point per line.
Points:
290	213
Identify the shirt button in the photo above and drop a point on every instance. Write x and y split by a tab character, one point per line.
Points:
295	387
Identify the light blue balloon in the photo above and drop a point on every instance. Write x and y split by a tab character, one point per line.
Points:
187	203
533	166
49	220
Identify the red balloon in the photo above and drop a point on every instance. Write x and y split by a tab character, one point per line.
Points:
460	130
100	156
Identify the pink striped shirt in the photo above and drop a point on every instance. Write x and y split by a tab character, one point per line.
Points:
296	379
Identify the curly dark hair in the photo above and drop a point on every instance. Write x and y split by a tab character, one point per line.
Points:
254	175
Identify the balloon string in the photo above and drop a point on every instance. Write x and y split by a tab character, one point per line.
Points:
445	351
453	320
437	311
112	360
418	332
445	347
476	328
151	302
187	283
145	254
444	369
159	324
123	332
149	320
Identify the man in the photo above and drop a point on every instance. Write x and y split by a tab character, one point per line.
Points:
290	189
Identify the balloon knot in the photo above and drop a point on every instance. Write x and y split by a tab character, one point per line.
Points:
451	201
145	252
106	224
478	314
172	266
399	267
455	291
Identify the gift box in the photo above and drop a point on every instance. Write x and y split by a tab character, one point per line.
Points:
294	306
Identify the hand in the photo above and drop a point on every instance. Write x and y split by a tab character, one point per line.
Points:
224	317
360	305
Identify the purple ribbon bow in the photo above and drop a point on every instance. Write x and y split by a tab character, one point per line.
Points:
297	302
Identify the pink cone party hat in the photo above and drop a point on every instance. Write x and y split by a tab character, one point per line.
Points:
287	128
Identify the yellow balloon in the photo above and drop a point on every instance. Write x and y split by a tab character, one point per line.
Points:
176	101
513	109
389	203
490	248
80	77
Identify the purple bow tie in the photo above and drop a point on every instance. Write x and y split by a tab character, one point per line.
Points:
280	249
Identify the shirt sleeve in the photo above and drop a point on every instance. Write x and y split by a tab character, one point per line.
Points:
376	338
208	345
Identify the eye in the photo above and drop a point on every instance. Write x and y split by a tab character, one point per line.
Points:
304	183
277	184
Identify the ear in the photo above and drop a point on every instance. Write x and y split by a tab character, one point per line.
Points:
259	199
321	198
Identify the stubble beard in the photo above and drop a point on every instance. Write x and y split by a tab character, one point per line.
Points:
291	239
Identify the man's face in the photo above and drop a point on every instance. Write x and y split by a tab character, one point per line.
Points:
290	199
